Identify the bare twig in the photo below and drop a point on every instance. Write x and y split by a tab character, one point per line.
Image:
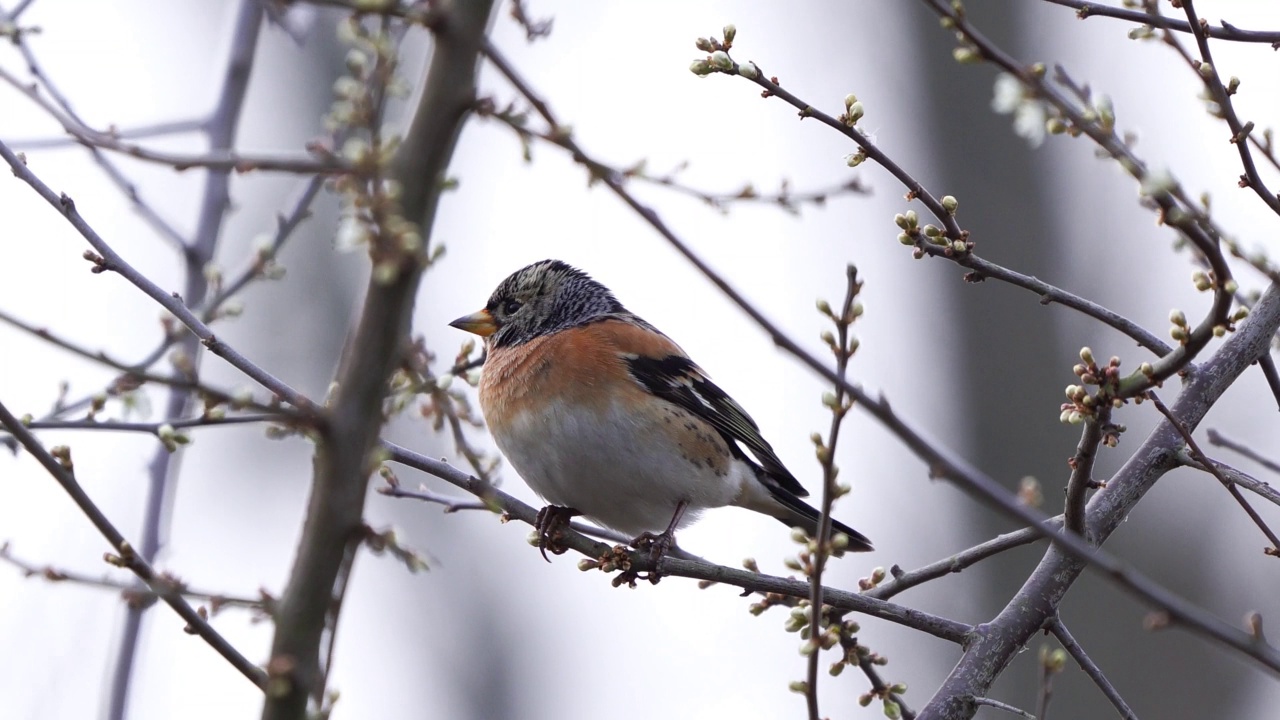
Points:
152	216
1226	31
786	198
130	591
449	503
1002	706
215	199
160	129
1218	439
320	161
111	260
125	555
1212	468
1090	668
134	374
151	428
905	580
1208	74
286	225
843	350
1236	477
1175	209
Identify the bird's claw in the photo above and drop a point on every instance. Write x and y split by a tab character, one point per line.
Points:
550	525
657	545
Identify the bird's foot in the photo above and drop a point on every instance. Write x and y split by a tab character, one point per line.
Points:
657	545
550	525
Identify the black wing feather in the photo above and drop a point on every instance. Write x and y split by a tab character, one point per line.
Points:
680	381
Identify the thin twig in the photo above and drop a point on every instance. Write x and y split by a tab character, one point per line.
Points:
286	225
154	130
320	161
1090	668
1226	31
1002	706
131	592
1218	439
1213	469
839	410
1208	74
1175	209
451	504
111	260
126	556
152	216
134	376
1236	477
152	428
960	561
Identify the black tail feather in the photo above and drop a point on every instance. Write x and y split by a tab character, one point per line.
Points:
806	517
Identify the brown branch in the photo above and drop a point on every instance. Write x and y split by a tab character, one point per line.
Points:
321	160
1025	614
1175	209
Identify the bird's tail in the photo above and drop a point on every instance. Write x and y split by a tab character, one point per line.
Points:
798	513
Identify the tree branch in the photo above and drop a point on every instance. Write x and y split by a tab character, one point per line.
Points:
334	512
622	558
1037	600
126	556
1090	668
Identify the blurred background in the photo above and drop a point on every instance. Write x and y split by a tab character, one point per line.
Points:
491	631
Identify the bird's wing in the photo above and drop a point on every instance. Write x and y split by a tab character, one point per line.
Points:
678	380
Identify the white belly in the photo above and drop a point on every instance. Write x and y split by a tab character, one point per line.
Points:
601	464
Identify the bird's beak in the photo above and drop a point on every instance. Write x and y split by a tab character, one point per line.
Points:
481	323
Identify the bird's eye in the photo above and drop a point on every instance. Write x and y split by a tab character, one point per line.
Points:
511	306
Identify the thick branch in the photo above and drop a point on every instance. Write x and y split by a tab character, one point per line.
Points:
334	514
1000	640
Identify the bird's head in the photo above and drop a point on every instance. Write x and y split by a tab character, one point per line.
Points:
537	299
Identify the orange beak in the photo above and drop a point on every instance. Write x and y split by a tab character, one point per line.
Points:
481	323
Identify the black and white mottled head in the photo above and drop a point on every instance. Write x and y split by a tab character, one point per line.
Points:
538	299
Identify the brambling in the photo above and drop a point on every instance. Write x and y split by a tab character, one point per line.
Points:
604	416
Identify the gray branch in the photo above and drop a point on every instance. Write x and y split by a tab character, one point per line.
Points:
335	510
996	643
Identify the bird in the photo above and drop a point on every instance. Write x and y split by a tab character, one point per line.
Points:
604	416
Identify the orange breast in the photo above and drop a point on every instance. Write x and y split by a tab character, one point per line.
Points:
583	366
